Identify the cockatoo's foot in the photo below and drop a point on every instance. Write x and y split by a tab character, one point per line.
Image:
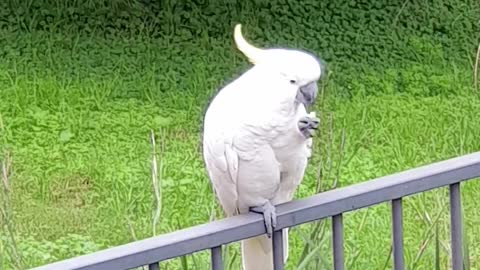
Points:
269	215
307	125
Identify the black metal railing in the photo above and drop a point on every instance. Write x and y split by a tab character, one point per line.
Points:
331	203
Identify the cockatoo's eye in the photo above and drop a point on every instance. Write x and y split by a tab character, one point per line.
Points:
293	81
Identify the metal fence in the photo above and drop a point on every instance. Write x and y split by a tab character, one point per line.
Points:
332	204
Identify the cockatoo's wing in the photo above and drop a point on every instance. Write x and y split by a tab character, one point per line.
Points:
222	166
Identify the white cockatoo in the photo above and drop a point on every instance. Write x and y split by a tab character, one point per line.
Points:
257	138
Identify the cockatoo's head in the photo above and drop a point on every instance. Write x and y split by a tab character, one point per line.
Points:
298	68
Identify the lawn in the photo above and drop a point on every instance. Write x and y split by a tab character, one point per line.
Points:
76	113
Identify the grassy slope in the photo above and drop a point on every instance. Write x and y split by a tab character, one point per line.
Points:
77	121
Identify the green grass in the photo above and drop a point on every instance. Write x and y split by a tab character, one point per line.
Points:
76	114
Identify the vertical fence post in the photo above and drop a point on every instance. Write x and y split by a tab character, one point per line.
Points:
153	266
337	226
216	258
277	243
397	234
456	226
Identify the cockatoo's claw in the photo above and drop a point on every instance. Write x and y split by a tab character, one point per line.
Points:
307	125
269	215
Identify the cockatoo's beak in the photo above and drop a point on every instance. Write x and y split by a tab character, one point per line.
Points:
307	94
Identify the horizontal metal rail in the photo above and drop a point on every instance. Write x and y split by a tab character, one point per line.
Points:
327	204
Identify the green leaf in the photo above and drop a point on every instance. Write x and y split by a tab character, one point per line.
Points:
66	135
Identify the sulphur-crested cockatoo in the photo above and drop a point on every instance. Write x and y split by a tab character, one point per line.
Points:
257	138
